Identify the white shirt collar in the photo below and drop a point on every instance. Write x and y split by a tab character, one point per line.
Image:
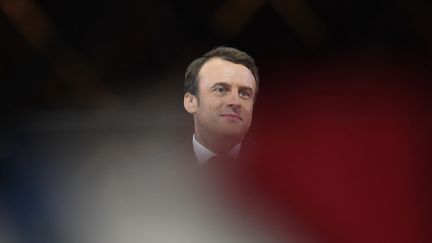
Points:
203	154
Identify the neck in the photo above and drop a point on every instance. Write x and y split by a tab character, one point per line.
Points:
219	145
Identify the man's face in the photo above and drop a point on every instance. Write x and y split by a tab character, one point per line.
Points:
225	101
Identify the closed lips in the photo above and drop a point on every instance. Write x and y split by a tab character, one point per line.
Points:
233	116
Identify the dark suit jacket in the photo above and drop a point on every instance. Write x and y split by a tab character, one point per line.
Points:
241	184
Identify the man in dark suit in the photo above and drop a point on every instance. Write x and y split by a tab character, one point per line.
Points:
220	91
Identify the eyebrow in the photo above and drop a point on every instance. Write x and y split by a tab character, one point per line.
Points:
220	84
226	84
246	88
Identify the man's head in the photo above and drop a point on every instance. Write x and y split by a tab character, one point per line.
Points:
220	90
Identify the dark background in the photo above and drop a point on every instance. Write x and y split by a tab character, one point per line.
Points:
338	78
82	54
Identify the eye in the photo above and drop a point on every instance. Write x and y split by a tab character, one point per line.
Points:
220	90
245	94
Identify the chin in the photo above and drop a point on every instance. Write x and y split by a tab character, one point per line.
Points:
233	132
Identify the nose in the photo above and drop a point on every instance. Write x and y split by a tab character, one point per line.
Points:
234	100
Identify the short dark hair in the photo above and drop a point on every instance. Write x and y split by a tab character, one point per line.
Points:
226	53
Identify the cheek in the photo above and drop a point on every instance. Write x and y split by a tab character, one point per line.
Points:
249	107
248	113
215	106
206	109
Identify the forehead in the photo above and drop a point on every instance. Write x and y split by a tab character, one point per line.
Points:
218	70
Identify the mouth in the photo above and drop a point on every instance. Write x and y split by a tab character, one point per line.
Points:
232	117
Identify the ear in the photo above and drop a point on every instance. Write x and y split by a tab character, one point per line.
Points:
190	103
